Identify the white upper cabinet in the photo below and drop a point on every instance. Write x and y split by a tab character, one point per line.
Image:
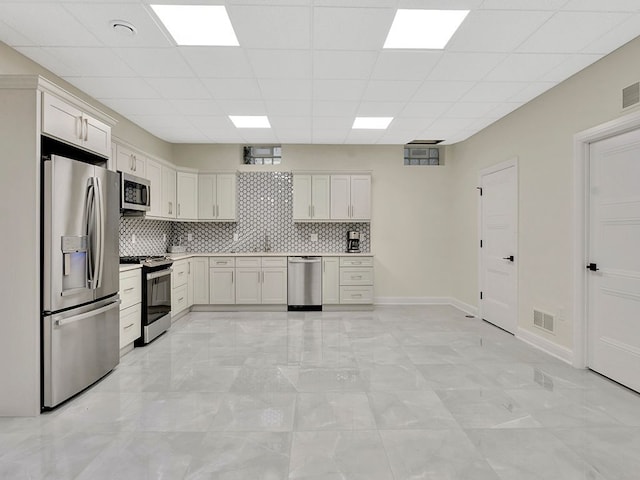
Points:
351	197
217	197
168	192
154	175
130	161
68	123
187	196
311	195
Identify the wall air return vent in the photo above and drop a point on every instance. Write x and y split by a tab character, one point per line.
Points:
426	153
262	155
631	95
543	320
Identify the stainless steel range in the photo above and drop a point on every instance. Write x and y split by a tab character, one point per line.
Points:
156	295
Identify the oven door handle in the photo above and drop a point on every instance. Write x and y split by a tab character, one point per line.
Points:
161	273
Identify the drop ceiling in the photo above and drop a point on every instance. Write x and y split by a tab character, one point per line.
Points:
312	66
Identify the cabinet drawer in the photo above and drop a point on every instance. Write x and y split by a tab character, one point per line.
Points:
130	321
356	295
222	262
130	288
356	262
274	261
179	299
180	274
356	276
248	262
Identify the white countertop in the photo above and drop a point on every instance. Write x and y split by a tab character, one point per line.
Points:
180	256
125	267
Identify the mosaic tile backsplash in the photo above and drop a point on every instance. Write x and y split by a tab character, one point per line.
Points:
264	222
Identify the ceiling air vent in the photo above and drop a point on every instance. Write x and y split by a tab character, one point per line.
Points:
631	95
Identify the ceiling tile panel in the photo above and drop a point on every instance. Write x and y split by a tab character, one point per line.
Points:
335	64
492	91
44	57
328	136
156	62
294	136
560	35
623	33
285	89
46	24
232	88
258	135
296	108
135	106
179	88
90	62
210	123
97	17
405	65
390	91
337	90
290	123
431	91
525	67
242	107
196	107
531	90
329	108
426	109
281	63
470	109
465	66
523	4
332	123
10	36
496	31
441	4
351	28
601	6
114	87
217	62
380	109
271	26
364	137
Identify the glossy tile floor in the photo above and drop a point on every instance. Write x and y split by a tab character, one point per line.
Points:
398	393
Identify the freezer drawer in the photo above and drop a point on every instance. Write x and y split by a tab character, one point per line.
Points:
80	347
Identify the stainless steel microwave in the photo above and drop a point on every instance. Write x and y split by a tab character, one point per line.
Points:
135	195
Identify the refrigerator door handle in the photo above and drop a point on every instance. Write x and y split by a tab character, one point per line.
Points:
92	313
100	227
89	221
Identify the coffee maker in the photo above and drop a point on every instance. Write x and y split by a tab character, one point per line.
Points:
353	242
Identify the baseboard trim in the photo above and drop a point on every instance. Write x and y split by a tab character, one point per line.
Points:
465	307
561	353
412	301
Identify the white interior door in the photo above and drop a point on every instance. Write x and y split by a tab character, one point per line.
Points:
614	259
498	252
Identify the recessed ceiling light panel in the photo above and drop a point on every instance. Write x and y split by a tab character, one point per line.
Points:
250	121
371	123
427	29
197	24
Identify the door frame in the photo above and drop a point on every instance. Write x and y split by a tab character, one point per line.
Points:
511	162
581	197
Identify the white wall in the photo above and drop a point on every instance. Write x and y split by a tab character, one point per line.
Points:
410	208
540	134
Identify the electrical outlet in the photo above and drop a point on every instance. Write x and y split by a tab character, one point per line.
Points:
235	237
189	237
133	238
314	237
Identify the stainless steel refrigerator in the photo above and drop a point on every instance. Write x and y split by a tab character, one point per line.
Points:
80	276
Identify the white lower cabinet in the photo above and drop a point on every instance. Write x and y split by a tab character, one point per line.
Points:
248	285
222	290
330	280
130	306
179	287
356	280
199	285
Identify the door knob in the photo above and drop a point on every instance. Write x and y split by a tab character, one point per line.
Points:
593	267
511	258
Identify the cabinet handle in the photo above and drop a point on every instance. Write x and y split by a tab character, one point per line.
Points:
170	208
180	299
356	295
356	277
189	268
128	326
213	214
81	125
180	273
232	277
86	129
128	289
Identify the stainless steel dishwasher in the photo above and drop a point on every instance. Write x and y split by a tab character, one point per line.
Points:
304	278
